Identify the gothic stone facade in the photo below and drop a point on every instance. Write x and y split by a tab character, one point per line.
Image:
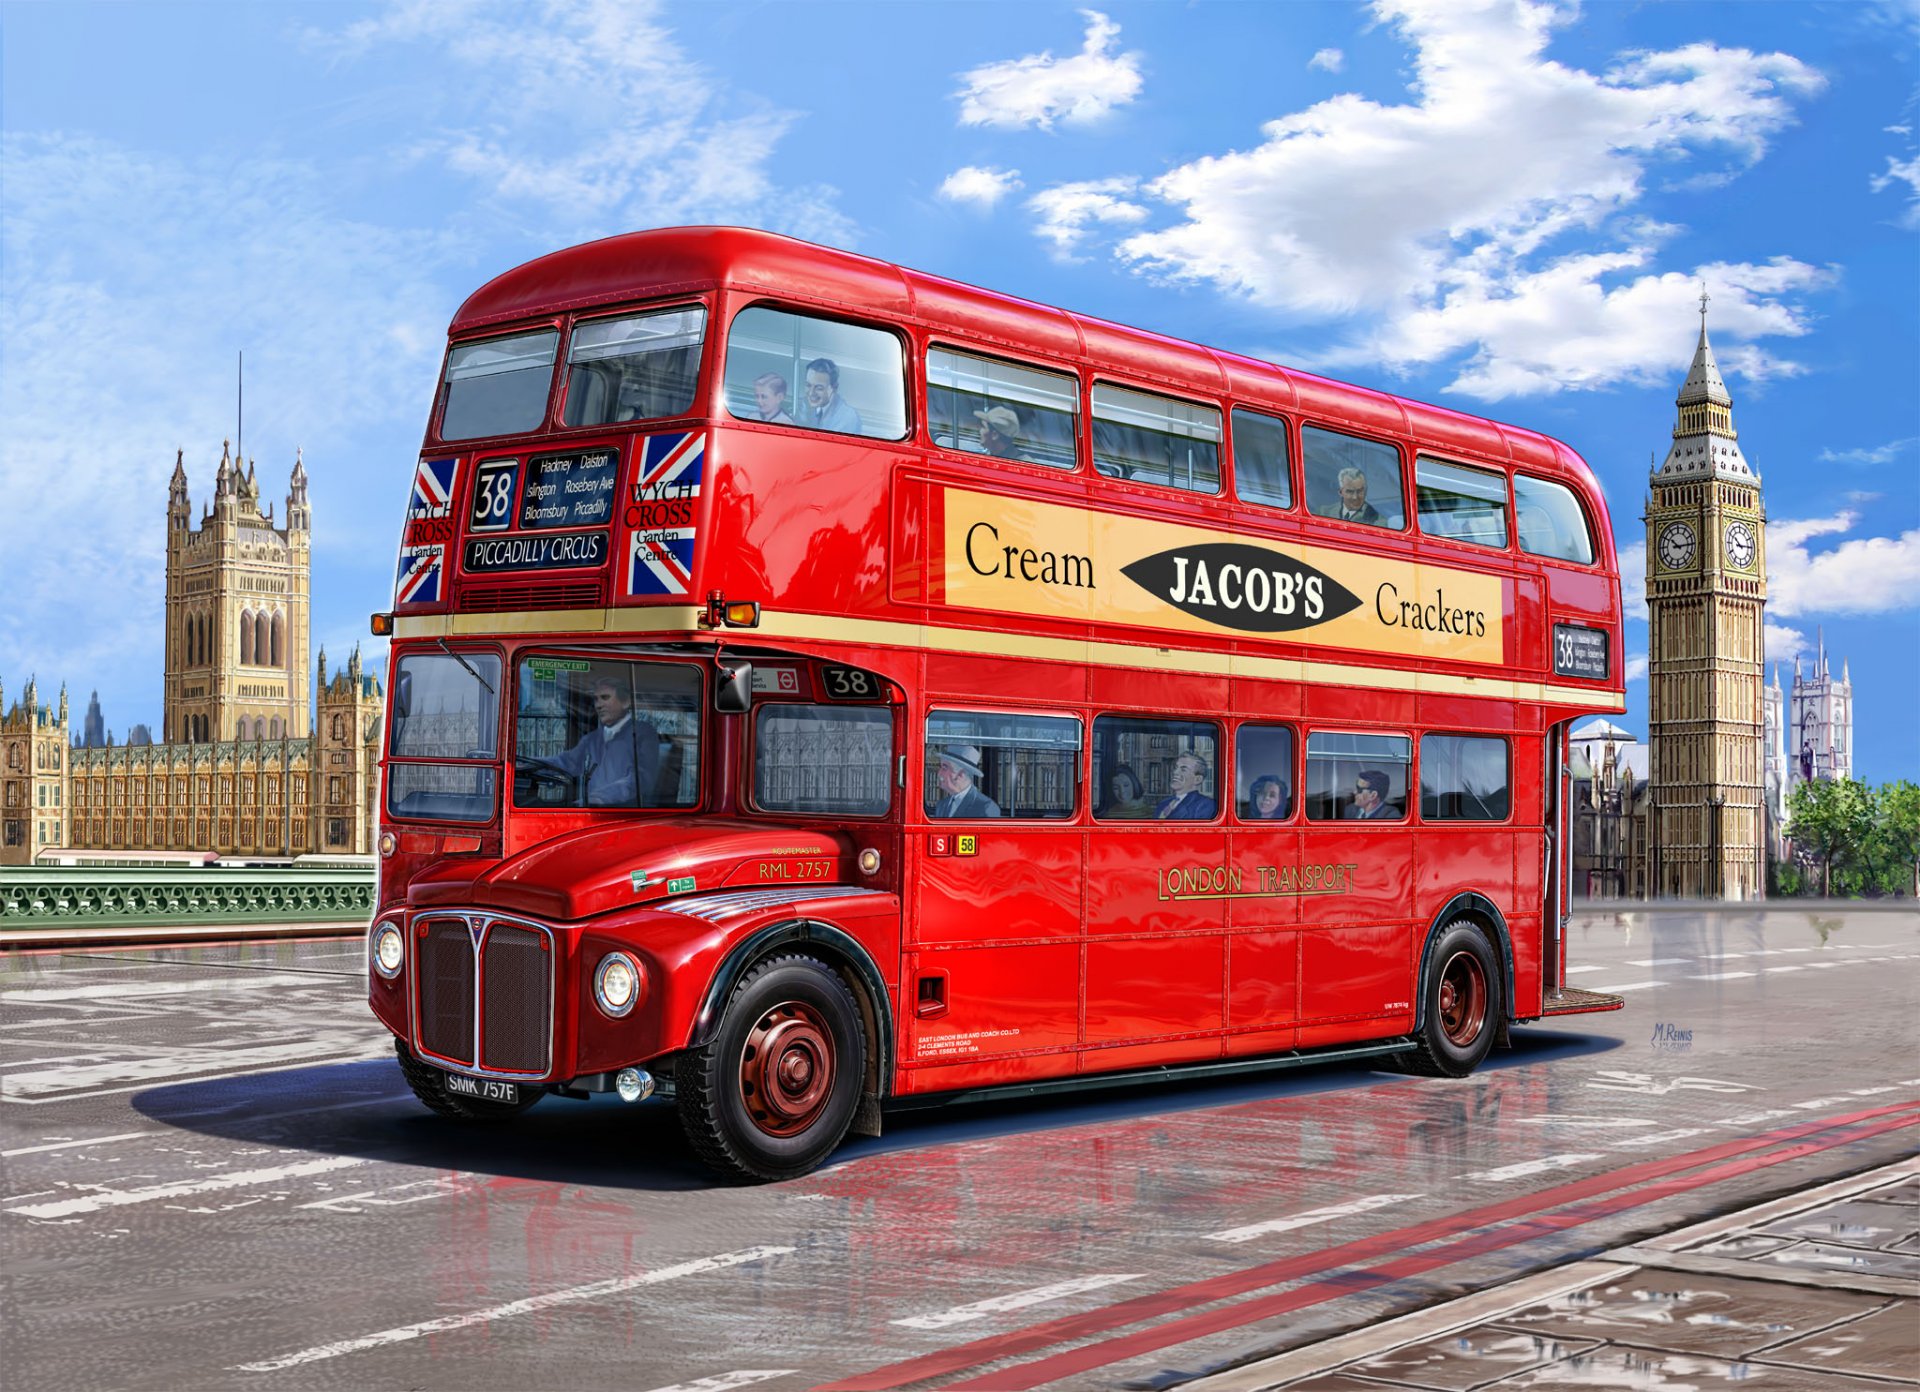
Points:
34	796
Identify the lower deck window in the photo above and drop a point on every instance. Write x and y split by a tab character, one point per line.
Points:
980	764
833	761
1355	777
1463	778
1149	770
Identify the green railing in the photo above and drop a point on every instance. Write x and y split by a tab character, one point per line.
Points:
55	896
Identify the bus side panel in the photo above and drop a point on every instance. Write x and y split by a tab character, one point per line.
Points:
1263	948
1356	947
1003	1021
1156	950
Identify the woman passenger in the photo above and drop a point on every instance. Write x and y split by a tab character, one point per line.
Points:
1267	800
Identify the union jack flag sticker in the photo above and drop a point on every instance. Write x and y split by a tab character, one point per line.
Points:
433	488
667	483
418	581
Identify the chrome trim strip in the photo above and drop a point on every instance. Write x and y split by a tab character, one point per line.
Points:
724	904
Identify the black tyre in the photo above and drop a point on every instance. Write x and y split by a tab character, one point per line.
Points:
1460	1005
429	1084
773	1092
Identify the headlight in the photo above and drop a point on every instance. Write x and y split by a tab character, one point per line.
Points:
389	949
616	984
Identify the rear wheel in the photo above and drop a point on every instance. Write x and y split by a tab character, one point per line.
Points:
1460	1005
429	1084
773	1092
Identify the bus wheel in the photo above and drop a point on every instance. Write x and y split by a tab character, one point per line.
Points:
1461	1000
775	1089
429	1084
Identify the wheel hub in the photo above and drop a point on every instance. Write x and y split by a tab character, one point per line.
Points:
1463	999
787	1069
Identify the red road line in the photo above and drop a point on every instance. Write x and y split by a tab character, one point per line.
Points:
1177	1299
1030	1375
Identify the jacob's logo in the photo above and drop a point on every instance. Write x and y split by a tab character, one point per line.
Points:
1245	587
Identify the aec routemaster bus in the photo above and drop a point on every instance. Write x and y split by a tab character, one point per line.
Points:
818	685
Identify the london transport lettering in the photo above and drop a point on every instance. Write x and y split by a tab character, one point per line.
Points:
1018	556
1253	882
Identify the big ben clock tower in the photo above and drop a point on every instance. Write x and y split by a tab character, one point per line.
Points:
1706	603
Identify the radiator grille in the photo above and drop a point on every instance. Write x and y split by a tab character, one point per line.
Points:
581	594
446	990
516	992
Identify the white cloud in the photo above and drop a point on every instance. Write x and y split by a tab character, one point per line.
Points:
1905	172
1066	212
1328	60
1039	89
1783	644
1872	454
1443	216
1636	667
613	125
982	186
1863	575
1633	582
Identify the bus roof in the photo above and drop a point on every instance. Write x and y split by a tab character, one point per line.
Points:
689	260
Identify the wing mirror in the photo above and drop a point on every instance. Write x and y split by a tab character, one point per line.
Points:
733	692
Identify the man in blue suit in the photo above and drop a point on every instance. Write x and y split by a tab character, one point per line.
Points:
614	764
1187	803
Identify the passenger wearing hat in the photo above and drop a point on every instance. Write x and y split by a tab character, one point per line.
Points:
1000	432
959	770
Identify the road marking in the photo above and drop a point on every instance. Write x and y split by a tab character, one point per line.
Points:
1790	966
130	1075
1821	1102
1598	1123
1018	1300
1632	1141
185	1188
722	1382
1870	1091
1534	1167
591	1291
1658	961
1718	976
1633	986
1613	1080
1755	1118
1575	971
50	995
1311	1217
91	1140
434	1188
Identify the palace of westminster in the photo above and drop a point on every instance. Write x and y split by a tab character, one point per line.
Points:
1696	812
257	759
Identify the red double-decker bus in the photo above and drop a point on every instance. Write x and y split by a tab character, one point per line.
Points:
818	685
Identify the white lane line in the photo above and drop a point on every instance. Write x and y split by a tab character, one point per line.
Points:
724	1382
1310	1217
1632	1142
1823	1102
1755	1118
1871	1091
591	1291
1718	976
1658	961
1575	971
1018	1300
67	1145
185	1188
1534	1167
1631	986
1790	966
1796	949
39	995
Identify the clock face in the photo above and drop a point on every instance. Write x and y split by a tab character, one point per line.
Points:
1739	546
1676	545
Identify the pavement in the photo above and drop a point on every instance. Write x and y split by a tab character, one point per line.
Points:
1817	1290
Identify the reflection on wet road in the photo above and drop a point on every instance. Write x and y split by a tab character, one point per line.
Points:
214	1177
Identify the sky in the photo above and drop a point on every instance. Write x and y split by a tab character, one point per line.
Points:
1507	208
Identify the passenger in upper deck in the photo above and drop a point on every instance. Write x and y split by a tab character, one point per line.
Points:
1354	506
770	398
825	409
1000	432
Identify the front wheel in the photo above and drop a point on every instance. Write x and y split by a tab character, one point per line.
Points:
1460	1005
429	1084
775	1089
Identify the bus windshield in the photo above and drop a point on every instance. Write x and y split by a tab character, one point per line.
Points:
601	733
446	716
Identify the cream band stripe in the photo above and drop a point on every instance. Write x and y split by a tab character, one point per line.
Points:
681	618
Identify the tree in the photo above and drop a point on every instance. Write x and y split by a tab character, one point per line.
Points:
1832	818
1897	815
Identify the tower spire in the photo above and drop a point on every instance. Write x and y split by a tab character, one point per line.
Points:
1705	444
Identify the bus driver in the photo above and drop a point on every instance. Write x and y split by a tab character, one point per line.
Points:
617	760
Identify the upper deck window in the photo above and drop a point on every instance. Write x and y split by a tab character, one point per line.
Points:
794	369
1260	471
1156	439
1551	521
985	406
498	387
640	367
1352	479
1461	504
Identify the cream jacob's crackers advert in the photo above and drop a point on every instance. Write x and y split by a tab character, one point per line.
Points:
1014	555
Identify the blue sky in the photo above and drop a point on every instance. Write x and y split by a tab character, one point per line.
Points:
1506	208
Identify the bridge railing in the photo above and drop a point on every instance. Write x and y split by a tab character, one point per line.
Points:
60	896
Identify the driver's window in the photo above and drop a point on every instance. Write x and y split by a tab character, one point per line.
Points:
598	733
